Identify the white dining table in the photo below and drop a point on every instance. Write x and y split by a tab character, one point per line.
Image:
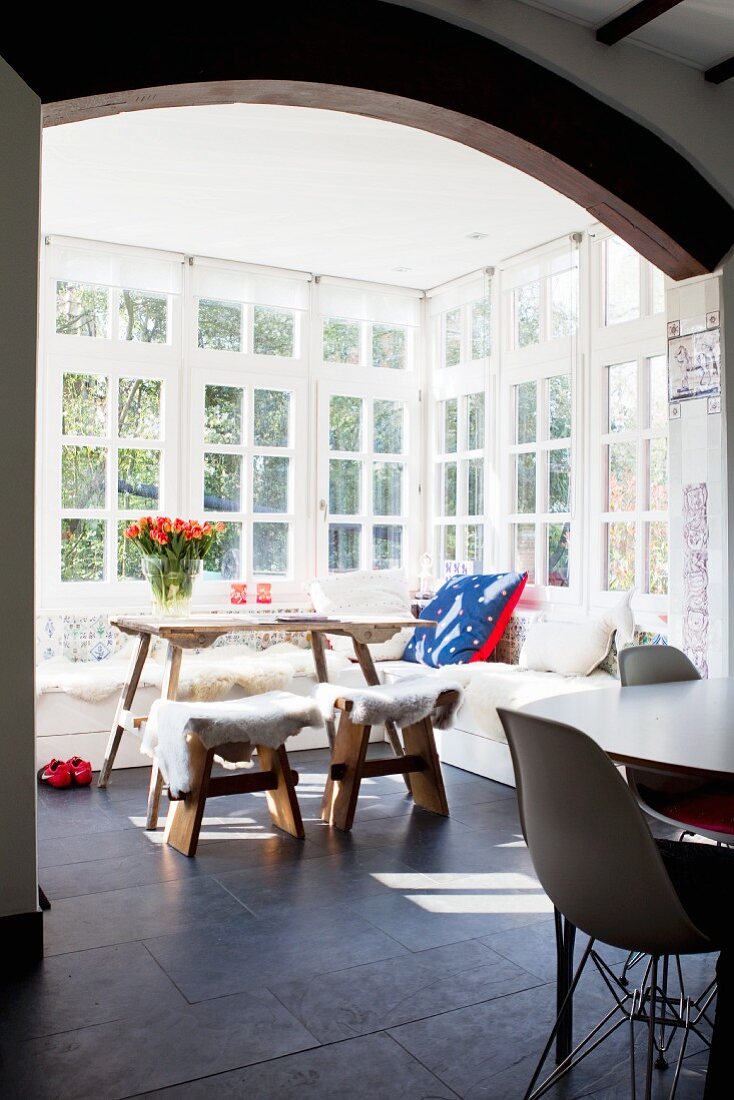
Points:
672	729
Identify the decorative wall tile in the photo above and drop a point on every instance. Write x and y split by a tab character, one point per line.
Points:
696	576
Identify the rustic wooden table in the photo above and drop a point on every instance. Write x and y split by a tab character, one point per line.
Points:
201	631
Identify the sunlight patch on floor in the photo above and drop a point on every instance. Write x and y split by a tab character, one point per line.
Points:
491	892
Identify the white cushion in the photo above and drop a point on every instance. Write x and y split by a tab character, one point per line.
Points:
575	649
365	592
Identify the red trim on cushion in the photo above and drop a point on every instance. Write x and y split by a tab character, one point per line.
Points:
499	629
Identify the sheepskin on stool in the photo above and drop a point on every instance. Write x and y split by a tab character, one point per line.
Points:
405	702
267	719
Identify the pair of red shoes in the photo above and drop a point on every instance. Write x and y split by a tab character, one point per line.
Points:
58	773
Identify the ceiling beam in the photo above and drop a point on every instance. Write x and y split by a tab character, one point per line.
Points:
631	20
721	72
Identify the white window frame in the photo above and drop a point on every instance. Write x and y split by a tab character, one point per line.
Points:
550	357
638	352
249	381
113	359
469	383
539	590
369	389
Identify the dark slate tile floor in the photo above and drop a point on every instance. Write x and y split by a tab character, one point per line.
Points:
413	959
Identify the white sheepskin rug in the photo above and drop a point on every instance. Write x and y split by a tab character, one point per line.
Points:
266	719
209	675
488	686
405	702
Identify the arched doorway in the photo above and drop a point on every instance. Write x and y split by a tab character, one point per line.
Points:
393	63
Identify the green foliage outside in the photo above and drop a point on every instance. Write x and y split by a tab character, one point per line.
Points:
527	412
620	556
389	347
341	341
270	549
222	482
82	310
387	488
559	480
449	489
387	546
527	314
452	338
220	325
526	466
223	414
270	483
272	418
223	562
345	423
474	545
558	550
344	547
525	550
559	401
475	486
481	328
451	426
83	549
475	421
388	419
143	317
274	332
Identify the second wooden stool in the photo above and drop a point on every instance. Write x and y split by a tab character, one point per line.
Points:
411	704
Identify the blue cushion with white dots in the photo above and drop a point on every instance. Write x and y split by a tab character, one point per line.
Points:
471	613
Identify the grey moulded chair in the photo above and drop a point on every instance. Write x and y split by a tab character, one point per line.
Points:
600	866
692	803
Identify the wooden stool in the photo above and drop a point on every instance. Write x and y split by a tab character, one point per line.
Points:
349	766
183	739
275	777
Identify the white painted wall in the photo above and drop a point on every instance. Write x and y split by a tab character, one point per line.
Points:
669	97
20	134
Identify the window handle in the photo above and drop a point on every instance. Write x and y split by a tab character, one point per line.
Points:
323	507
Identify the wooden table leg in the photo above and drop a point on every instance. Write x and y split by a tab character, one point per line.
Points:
319	660
124	703
169	688
369	672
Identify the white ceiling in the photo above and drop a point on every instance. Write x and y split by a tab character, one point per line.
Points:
699	32
294	187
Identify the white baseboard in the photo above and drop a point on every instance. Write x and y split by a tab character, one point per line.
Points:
479	755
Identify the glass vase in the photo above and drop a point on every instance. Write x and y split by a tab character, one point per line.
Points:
171	584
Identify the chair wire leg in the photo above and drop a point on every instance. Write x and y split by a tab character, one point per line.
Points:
559	1019
651	1028
661	1061
633	1067
632	960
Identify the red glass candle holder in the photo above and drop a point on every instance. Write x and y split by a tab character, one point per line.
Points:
237	593
264	593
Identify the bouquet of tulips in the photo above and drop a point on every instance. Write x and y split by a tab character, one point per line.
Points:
172	551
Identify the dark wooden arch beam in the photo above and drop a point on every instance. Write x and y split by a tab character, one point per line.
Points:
630	20
721	72
393	63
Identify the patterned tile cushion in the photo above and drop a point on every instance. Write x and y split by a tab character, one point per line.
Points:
472	613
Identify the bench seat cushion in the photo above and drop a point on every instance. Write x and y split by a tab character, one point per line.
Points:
488	686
